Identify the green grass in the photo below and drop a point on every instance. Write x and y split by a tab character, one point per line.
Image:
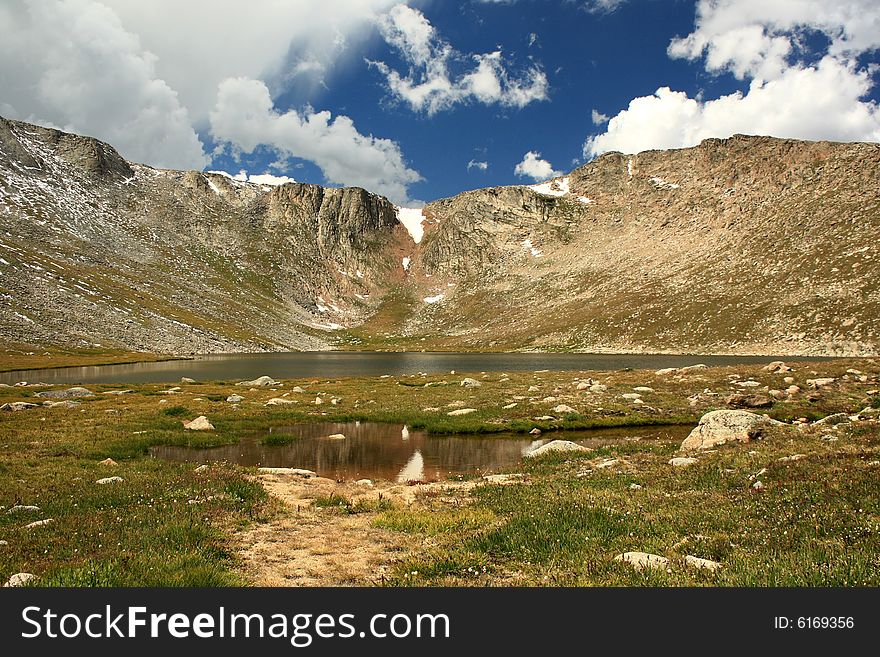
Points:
817	522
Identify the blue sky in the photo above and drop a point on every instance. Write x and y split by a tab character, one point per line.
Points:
399	97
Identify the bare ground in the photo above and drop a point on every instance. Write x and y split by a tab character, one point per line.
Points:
307	545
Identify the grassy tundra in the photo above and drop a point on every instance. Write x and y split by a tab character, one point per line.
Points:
814	520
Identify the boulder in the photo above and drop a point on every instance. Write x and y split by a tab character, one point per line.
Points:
718	427
108	461
201	423
556	446
235	399
39	523
462	411
643	560
296	472
279	401
298	389
749	401
17	406
470	383
562	408
666	370
821	382
598	387
643	389
186	379
776	366
336	436
682	461
109	480
263	381
701	564
19	579
70	393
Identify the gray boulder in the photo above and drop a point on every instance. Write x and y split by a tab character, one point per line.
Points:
719	427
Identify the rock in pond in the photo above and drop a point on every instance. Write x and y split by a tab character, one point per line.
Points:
556	446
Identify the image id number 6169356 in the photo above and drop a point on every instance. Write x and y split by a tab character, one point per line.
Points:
814	623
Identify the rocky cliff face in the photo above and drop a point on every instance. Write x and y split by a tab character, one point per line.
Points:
94	249
748	244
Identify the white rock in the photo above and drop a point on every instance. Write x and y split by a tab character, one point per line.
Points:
697	562
235	399
758	485
682	461
535	432
186	379
821	382
19	579
39	523
279	401
109	480
718	427
556	446
793	457
318	401
298	389
23	508
470	383
263	381
643	389
201	423
666	370
509	406
635	487
562	408
534	388
364	482
336	436
202	468
598	387
462	411
583	385
297	472
632	395
643	560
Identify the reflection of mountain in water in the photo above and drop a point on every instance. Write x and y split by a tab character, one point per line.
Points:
383	451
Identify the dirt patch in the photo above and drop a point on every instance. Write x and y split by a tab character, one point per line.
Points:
309	545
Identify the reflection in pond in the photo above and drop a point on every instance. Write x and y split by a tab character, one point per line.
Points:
394	452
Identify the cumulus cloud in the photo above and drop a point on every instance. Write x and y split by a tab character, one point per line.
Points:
434	81
123	72
281	42
792	91
71	64
532	166
475	164
244	117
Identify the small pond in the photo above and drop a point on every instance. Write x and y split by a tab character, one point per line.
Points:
394	452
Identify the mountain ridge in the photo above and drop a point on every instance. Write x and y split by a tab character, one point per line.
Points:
737	245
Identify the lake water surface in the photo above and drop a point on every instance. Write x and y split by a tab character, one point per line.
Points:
333	364
374	450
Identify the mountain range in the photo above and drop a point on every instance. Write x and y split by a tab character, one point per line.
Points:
742	245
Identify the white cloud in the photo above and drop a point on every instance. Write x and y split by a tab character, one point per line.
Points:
598	118
245	117
200	43
72	64
142	75
532	166
475	164
602	6
430	85
792	92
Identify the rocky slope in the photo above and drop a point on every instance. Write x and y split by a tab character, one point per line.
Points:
748	244
94	249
